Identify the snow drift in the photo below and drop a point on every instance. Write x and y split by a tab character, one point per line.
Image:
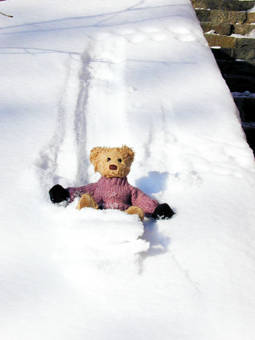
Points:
138	73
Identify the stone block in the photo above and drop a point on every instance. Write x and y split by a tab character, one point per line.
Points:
250	136
251	17
245	43
231	66
246	107
245	5
223	29
220	40
233	53
229	17
243	29
239	83
223	54
244	53
203	15
232	5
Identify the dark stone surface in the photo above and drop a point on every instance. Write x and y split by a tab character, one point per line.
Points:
239	83
236	57
243	29
233	5
244	53
220	17
246	106
243	48
245	42
203	15
221	40
224	29
251	17
250	136
240	77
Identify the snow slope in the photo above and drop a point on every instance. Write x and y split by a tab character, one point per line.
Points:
110	73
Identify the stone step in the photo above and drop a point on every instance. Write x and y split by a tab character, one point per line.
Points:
238	83
249	130
243	29
239	75
227	29
251	17
230	41
220	40
224	29
233	5
243	54
246	107
233	67
223	17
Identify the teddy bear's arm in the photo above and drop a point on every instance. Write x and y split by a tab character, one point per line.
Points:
143	201
78	191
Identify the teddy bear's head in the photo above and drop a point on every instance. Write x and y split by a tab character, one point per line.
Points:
112	162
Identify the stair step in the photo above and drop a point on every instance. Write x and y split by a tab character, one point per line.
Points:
227	29
238	83
251	17
248	55
239	75
233	5
232	67
245	54
249	130
220	40
243	29
224	29
246	107
230	41
220	17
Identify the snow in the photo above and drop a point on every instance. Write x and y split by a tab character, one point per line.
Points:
108	73
245	94
252	10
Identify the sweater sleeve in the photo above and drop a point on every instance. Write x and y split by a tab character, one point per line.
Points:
143	201
86	189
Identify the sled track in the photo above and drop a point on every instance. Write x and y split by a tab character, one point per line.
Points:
52	161
92	102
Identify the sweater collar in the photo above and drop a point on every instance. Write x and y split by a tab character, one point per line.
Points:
114	180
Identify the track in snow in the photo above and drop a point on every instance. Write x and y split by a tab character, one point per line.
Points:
92	103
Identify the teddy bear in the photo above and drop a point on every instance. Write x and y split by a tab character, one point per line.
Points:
112	191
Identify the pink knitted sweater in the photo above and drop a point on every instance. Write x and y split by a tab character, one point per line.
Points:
116	193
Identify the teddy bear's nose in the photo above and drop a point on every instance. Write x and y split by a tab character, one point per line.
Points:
113	167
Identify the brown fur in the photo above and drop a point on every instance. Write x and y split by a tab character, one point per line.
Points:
86	201
135	211
99	158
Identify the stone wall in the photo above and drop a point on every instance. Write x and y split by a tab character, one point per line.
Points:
229	27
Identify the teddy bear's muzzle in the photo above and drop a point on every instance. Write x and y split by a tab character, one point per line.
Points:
113	167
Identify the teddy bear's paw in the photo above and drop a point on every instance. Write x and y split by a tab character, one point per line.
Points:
162	212
86	201
136	210
59	194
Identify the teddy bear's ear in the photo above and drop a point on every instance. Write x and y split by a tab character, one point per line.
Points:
94	154
128	153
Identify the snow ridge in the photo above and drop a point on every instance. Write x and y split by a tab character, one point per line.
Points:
92	103
129	72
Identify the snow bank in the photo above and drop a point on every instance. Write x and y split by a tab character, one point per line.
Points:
141	74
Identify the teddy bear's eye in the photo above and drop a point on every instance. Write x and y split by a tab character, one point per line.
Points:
119	160
108	159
